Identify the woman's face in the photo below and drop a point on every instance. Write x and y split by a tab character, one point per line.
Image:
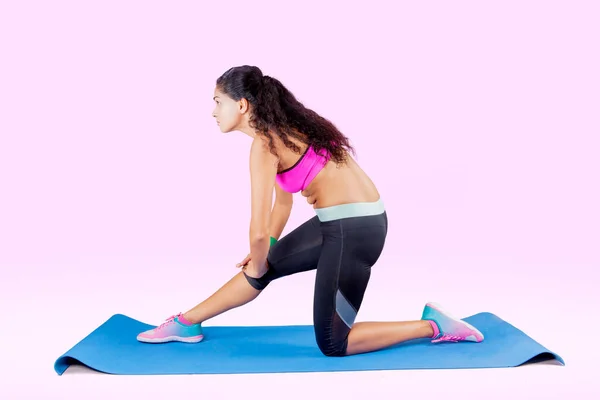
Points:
227	112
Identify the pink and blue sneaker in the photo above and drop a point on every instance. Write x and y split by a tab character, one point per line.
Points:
447	328
175	329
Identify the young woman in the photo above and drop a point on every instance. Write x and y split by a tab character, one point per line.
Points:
295	150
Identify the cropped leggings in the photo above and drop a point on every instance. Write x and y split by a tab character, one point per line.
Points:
342	243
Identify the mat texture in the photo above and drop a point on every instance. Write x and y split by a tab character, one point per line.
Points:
113	348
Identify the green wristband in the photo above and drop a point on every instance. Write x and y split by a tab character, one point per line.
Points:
273	241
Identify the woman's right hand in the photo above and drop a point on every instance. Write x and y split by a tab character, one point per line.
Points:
244	262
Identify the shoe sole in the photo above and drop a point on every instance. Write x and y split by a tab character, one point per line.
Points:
441	310
191	339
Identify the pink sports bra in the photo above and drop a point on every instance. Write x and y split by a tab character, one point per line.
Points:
299	175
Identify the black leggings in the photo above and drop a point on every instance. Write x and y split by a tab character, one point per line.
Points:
342	251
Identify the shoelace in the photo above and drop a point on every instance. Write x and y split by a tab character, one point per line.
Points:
168	321
447	338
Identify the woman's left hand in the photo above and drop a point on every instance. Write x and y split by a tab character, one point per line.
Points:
254	271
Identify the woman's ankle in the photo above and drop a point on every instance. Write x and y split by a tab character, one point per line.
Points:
187	319
431	328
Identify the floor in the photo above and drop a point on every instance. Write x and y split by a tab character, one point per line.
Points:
69	301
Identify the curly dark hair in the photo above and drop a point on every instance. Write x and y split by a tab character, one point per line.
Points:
275	109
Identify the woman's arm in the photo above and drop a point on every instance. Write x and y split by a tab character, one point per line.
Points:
281	211
263	169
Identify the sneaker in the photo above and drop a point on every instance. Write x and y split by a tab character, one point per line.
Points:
173	330
450	329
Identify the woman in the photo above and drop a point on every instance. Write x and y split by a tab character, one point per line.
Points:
296	150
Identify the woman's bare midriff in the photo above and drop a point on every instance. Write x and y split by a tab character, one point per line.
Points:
334	184
340	184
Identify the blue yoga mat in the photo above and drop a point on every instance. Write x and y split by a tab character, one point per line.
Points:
113	348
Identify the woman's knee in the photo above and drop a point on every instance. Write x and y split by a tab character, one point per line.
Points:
332	347
258	283
331	335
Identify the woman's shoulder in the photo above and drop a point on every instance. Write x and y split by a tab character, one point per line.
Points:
302	141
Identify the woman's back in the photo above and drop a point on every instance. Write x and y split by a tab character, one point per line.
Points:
335	184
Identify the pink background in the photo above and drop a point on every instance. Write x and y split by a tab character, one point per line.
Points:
478	122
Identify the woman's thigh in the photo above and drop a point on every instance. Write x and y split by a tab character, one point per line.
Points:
295	252
351	247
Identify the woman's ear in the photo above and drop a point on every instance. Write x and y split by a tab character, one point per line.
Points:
243	105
